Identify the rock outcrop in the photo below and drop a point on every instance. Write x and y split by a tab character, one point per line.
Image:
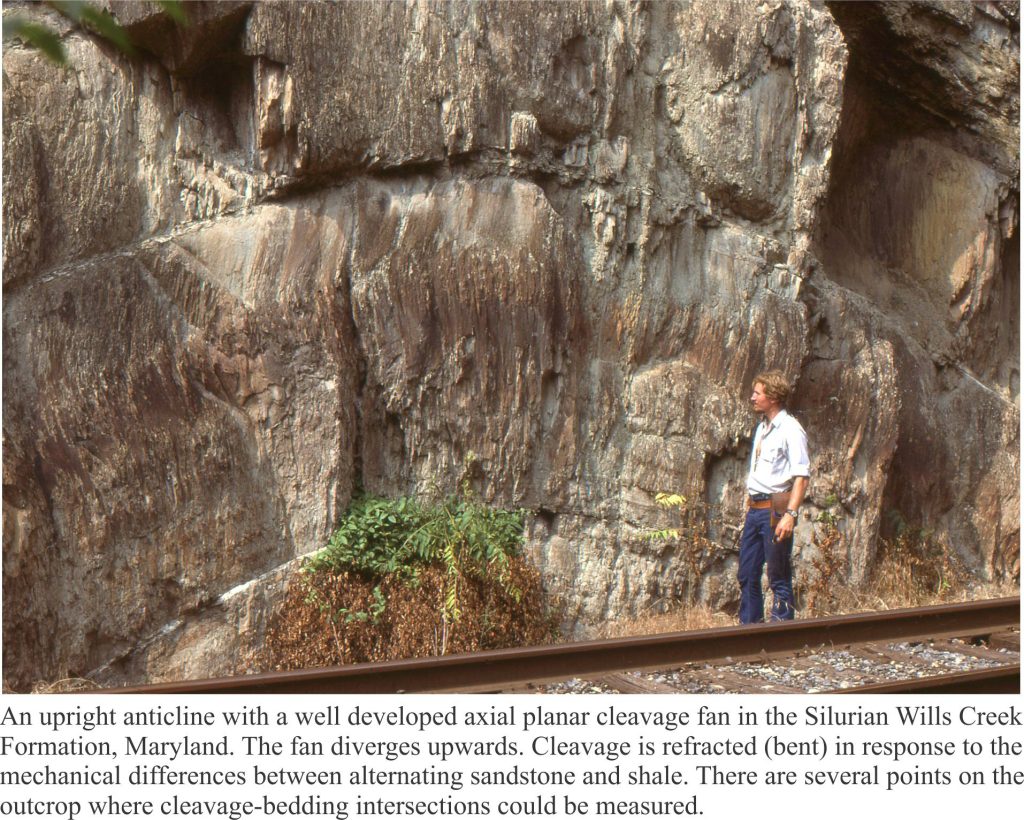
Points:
299	247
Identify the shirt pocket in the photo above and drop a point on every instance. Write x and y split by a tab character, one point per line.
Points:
773	455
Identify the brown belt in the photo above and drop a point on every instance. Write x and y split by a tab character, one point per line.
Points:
758	505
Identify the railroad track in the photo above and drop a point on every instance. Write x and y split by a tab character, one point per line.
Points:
685	656
949	666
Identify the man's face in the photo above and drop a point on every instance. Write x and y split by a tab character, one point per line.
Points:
761	403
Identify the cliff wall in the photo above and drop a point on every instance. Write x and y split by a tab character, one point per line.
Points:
297	247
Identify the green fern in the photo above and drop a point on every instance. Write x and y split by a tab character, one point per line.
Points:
380	538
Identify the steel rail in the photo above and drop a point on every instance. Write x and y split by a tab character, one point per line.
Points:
504	668
1000	680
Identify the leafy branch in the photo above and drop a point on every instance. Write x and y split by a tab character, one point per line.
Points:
693	547
39	36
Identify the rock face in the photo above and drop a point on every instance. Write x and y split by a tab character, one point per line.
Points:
298	247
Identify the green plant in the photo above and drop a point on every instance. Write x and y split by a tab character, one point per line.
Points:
668	501
828	514
694	546
380	536
373	614
383	538
88	15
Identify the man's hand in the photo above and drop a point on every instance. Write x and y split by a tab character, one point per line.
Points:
784	528
786	523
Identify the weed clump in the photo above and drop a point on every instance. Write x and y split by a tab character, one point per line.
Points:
911	568
915	564
404	578
827	588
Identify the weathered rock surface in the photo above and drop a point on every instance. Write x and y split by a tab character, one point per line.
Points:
298	247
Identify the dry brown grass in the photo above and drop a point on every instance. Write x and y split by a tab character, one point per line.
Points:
685	619
303	633
64	685
61	685
911	570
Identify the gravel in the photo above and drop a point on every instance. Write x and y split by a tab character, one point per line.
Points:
818	671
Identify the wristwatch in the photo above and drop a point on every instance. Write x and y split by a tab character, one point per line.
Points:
795	513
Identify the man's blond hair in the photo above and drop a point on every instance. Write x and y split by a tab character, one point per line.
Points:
775	385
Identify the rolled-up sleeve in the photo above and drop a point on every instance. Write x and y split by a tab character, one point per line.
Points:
796	443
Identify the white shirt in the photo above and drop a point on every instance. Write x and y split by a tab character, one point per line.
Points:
778	456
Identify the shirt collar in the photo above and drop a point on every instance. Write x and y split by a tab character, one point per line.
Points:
775	422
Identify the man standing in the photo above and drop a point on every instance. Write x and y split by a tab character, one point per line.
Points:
776	483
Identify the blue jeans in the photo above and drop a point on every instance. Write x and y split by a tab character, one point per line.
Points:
758	545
